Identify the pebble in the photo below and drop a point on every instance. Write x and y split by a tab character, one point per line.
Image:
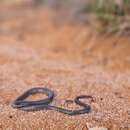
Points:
1	100
97	128
128	111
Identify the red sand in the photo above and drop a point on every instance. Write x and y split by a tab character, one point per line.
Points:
38	50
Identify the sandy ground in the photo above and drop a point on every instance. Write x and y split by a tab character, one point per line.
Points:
40	47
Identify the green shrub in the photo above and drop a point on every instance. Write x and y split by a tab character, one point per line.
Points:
111	15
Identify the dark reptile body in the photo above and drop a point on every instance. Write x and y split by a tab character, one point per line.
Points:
21	103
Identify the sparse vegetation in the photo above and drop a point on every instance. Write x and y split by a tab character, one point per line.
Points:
113	16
